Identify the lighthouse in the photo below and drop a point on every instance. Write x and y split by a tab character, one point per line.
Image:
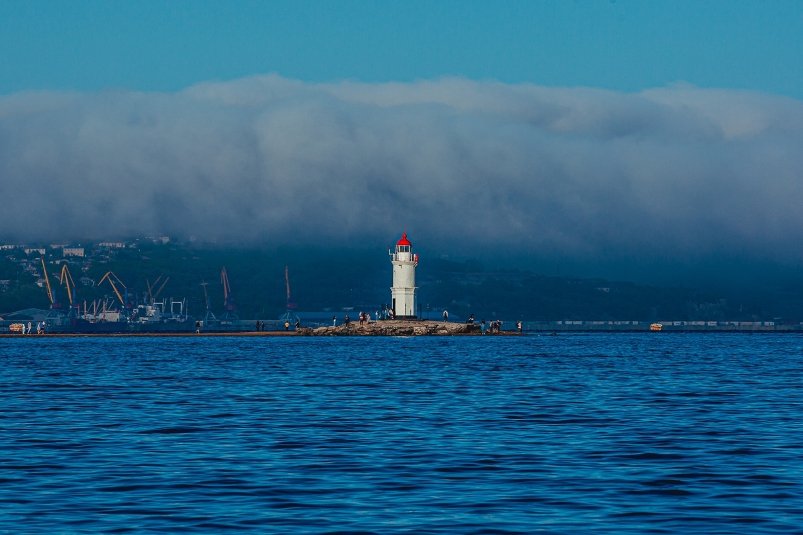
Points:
402	292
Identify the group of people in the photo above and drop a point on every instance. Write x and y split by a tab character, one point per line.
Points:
386	313
363	317
493	327
28	328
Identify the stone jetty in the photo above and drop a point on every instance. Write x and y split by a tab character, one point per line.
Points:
393	328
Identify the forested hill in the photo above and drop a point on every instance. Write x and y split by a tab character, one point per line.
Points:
333	279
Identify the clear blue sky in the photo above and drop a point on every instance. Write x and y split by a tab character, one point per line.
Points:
623	44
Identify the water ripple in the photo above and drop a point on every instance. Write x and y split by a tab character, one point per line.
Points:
626	433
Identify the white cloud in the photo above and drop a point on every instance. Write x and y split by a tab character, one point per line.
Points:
577	172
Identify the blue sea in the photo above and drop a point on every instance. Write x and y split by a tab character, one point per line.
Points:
576	433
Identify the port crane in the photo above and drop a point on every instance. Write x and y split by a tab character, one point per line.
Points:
111	277
209	316
290	304
47	284
229	307
66	280
289	316
153	295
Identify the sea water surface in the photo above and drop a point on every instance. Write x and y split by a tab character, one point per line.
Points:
613	433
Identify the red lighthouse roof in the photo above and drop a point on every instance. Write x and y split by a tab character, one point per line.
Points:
403	240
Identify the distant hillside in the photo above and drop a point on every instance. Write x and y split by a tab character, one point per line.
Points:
331	279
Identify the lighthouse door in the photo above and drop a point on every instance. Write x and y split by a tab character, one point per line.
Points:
394	306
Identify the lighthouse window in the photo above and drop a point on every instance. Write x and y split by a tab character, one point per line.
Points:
404	249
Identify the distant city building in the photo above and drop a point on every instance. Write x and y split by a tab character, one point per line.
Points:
159	239
29	250
112	244
73	251
7	246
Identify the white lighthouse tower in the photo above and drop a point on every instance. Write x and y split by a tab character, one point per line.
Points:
402	292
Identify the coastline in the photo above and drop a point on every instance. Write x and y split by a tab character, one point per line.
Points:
395	328
381	328
430	328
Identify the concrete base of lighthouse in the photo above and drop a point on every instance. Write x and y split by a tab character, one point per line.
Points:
403	302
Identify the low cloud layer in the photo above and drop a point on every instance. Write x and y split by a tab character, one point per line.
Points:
581	173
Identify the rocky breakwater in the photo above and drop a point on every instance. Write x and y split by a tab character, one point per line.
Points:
393	328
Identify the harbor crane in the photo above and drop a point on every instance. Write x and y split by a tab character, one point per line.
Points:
289	317
229	308
66	280
152	295
111	277
209	316
290	304
47	284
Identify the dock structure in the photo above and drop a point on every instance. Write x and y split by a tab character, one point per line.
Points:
182	334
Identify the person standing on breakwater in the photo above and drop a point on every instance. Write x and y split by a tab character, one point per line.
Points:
445	315
334	321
